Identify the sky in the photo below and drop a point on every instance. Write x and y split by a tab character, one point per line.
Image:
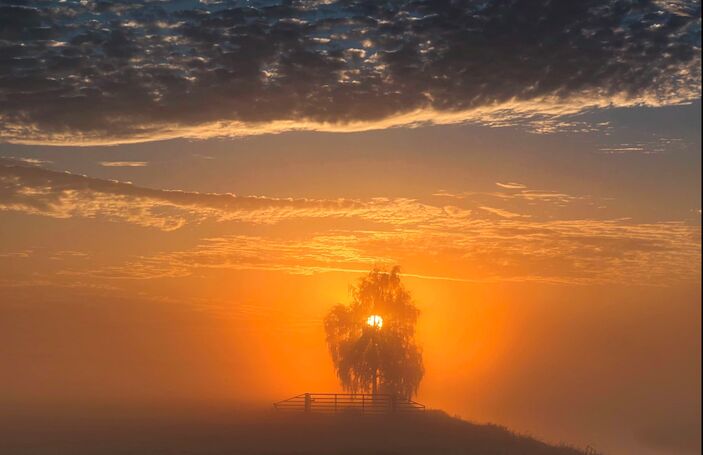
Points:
187	187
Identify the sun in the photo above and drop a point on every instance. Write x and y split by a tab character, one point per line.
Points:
375	321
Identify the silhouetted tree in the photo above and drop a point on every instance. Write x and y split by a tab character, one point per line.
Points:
370	356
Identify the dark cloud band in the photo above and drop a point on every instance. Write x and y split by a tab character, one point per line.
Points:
105	72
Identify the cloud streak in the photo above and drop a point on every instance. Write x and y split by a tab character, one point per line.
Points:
123	163
559	252
471	242
38	191
93	72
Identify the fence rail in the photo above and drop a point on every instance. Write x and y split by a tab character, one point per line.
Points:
362	403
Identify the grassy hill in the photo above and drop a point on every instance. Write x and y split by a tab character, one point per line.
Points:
429	433
433	432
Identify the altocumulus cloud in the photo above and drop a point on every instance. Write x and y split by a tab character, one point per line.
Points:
91	72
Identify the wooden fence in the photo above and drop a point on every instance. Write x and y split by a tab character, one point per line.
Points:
361	403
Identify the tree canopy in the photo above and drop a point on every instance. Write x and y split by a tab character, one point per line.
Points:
376	358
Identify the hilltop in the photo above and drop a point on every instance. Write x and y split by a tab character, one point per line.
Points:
429	433
432	432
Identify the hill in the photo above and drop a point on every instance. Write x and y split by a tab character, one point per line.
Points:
429	433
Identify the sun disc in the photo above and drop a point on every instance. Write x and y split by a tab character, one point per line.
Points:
375	321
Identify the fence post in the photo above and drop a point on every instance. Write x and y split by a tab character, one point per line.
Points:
307	403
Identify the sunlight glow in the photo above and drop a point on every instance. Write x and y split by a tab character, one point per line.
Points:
375	321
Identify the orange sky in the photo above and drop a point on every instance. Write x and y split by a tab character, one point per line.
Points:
559	298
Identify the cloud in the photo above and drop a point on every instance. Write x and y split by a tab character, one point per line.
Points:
471	242
655	146
123	163
511	185
625	148
28	161
516	192
94	72
506	250
39	191
450	194
502	213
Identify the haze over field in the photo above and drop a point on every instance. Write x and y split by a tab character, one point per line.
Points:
187	188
